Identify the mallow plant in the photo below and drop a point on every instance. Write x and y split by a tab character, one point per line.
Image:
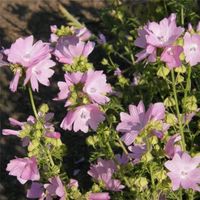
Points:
139	150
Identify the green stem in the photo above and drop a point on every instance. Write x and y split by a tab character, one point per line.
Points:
50	158
36	115
182	15
188	86
150	169
122	145
183	146
69	17
32	102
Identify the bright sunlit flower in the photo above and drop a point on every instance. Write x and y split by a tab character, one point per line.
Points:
184	171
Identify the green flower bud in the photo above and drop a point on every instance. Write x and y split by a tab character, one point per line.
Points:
161	175
169	102
171	119
147	157
92	140
163	72
141	182
44	108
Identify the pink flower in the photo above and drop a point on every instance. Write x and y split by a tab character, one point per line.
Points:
15	81
14	122
164	33
101	39
171	55
27	54
99	196
53	36
117	72
103	171
36	191
192	48
72	183
122	159
40	72
71	79
69	48
137	151
157	35
131	125
83	34
24	169
103	166
34	59
55	188
184	172
149	50
170	148
96	87
55	135
83	117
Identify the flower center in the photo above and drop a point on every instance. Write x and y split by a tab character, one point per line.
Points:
27	56
193	47
184	174
93	90
161	38
84	115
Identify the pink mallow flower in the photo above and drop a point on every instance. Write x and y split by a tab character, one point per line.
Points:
34	59
132	124
99	196
83	34
192	48
71	79
70	47
149	50
27	54
164	33
171	148
83	117
55	188
36	191
96	87
39	73
184	171
171	55
103	171
24	169
157	35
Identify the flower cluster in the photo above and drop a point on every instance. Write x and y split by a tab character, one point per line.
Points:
103	171
136	154
166	36
83	93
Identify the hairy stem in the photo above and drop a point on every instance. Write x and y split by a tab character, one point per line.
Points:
188	86
69	17
32	102
183	146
